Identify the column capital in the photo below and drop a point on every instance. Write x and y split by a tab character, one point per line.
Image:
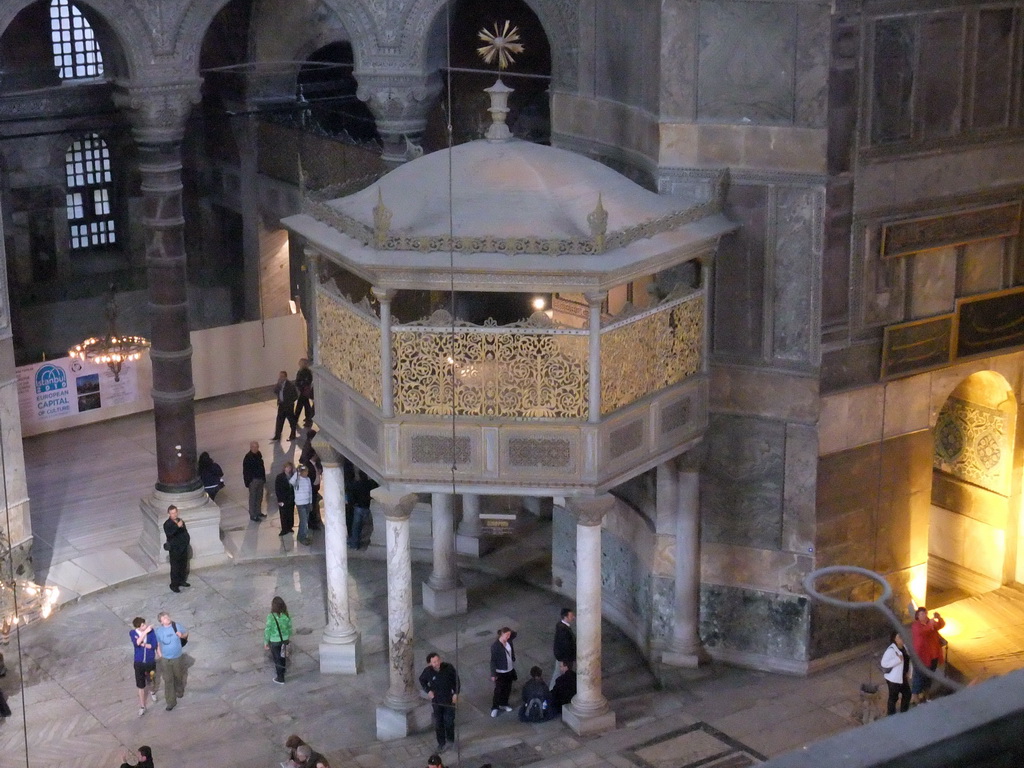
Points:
590	511
158	111
329	457
595	298
382	293
400	102
396	505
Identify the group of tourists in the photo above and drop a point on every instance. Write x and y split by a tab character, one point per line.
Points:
906	680
440	682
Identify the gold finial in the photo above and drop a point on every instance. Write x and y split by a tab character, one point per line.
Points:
381	220
500	44
598	221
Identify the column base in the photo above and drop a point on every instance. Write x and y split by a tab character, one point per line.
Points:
472	546
202	517
684	659
584	725
341	658
444	602
397	724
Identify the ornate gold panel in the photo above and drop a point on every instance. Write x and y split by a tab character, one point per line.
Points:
349	345
643	355
508	373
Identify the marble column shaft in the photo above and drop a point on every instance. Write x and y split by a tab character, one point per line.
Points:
443	574
594	302
401	694
589	700
339	618
470	523
387	380
685	633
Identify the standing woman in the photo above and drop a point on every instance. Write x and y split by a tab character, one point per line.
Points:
276	635
896	669
503	670
927	645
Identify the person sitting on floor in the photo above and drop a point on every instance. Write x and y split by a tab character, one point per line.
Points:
536	706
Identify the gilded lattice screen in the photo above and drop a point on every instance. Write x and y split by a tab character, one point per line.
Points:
642	355
509	373
349	345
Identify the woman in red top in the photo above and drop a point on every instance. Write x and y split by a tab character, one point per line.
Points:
927	645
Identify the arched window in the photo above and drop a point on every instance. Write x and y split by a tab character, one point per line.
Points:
75	50
87	167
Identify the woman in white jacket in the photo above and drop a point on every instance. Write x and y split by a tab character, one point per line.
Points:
896	669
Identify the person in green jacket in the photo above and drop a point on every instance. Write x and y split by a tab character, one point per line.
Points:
276	635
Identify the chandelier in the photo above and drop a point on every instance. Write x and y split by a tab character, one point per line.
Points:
113	349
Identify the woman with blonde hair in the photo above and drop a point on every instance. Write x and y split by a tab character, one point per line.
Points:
276	636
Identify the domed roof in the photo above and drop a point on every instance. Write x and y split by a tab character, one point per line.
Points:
510	196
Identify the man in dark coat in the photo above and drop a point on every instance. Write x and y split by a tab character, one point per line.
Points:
565	640
178	540
440	681
564	688
254	475
285	498
304	385
286	395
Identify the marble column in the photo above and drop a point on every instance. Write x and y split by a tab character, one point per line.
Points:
588	712
403	711
685	649
158	113
468	539
387	377
400	102
442	593
341	649
594	302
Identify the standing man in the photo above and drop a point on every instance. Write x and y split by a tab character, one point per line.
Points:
565	641
303	502
143	639
286	394
254	475
440	680
564	688
172	667
361	498
285	498
176	545
304	385
503	670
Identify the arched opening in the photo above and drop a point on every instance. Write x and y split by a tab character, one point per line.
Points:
67	155
972	525
529	116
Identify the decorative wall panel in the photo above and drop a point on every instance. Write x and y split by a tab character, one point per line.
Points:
644	354
349	345
971	443
507	373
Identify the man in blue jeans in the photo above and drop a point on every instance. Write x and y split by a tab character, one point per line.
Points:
172	667
361	500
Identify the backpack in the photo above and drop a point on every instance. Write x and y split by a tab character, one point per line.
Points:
535	711
184	640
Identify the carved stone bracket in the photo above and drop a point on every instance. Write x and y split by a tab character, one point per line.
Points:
158	111
396	506
591	512
400	103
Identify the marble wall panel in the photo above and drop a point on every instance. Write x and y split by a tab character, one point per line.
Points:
801	480
755	147
856	365
835	268
746	60
906	405
849	419
754	568
741	493
932	286
981	268
737	389
843	94
894	43
969	500
739	275
814	31
939	84
679	61
992	68
627	65
795	276
753	621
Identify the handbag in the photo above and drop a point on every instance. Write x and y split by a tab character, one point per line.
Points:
284	643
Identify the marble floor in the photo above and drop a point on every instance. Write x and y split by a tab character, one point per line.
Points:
79	707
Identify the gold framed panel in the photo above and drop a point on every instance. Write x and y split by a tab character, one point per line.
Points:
918	345
929	233
989	323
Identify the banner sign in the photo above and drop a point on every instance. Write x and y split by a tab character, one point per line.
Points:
67	386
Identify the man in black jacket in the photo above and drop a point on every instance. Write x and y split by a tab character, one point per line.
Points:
285	498
286	395
564	688
254	475
565	641
178	540
304	386
440	681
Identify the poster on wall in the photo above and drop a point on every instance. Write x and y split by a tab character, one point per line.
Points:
67	386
